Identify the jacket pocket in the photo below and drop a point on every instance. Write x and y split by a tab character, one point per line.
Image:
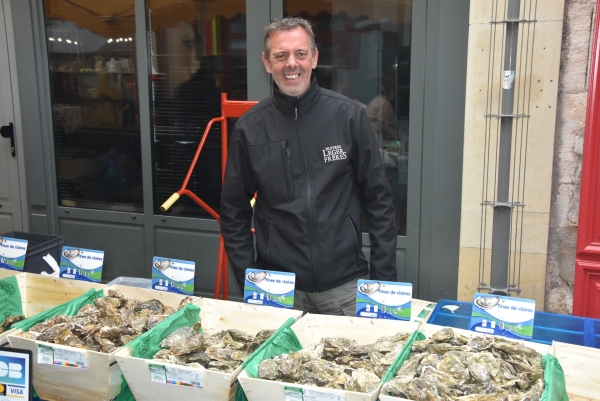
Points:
278	170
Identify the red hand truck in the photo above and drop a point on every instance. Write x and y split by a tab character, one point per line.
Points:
229	108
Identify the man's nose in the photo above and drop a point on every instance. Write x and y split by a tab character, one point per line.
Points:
291	61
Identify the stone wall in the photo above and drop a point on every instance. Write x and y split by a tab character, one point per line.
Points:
568	150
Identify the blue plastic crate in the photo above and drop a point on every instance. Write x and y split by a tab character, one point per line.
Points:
546	326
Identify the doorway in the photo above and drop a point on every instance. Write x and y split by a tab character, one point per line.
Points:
11	217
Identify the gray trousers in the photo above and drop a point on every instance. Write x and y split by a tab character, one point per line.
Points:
339	301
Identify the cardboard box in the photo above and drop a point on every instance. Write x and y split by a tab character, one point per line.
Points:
102	380
429	329
40	293
216	315
311	329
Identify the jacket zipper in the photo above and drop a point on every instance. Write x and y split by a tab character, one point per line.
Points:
311	228
290	181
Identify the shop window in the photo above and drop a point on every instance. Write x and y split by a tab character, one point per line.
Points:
364	53
198	51
95	105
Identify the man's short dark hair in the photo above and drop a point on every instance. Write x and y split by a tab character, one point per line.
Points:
287	24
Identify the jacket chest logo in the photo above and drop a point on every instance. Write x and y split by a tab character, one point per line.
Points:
333	153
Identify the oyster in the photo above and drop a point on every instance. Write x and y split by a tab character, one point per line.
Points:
269	369
139	320
10	320
177	336
112	320
153	320
29	335
66	337
324	373
444	335
154	305
263	335
189	344
336	347
88	310
107	302
185	301
363	381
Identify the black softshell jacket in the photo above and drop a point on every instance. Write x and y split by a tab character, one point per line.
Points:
314	163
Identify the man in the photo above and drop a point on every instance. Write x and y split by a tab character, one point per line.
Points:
310	156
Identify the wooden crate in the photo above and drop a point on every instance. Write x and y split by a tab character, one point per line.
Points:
216	315
581	368
102	380
311	329
429	329
4	273
40	293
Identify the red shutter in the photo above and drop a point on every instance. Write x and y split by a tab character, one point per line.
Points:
586	294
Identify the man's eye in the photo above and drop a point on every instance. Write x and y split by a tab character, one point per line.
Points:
301	54
280	57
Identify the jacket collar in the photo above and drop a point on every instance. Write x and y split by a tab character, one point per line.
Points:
287	104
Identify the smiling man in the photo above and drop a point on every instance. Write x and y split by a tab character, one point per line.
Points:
311	157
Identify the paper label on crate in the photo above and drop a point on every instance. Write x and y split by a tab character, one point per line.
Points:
53	355
172	275
81	264
303	394
383	299
158	373
12	253
272	288
503	316
45	354
292	393
184	377
178	376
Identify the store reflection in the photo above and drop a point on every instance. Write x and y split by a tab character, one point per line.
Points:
364	54
95	106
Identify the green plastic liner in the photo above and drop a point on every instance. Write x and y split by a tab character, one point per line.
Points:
10	299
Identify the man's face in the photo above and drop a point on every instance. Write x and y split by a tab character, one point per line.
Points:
291	61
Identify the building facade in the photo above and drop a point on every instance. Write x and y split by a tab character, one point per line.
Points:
109	103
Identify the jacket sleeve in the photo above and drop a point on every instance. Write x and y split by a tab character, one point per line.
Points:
236	213
376	202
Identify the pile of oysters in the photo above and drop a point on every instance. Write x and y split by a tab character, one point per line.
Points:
337	363
108	324
223	351
457	367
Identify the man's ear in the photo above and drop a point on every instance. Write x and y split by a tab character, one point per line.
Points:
315	59
266	63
